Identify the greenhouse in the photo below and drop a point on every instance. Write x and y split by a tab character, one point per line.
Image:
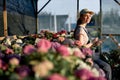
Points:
37	40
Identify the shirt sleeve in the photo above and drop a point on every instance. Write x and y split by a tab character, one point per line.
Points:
79	31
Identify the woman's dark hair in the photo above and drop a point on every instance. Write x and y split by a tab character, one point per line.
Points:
79	21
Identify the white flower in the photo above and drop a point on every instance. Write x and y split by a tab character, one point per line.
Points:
83	65
70	50
37	40
8	41
19	41
95	72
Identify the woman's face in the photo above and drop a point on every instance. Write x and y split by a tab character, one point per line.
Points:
86	18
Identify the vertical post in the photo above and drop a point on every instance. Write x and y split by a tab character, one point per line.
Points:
100	29
50	21
55	22
69	23
5	18
77	9
37	17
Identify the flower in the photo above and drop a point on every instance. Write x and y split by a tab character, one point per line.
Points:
56	76
43	45
63	50
49	65
3	65
56	35
9	51
19	41
40	70
55	45
14	61
28	49
87	51
58	63
77	52
96	78
22	71
83	74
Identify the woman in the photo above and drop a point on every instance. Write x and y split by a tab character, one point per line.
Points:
81	35
81	32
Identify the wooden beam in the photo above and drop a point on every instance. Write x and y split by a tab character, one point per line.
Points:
5	18
111	34
115	41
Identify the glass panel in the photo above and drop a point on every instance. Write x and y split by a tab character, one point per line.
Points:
110	44
93	5
57	15
110	23
110	17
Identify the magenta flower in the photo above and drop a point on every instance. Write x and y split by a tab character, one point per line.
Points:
97	78
55	45
22	71
56	35
28	49
9	51
56	77
63	50
43	45
102	73
3	65
63	32
83	74
87	51
101	78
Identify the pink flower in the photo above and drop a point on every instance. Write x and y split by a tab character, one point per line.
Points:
63	32
77	52
83	74
96	78
101	78
28	49
43	45
22	71
63	50
9	51
14	61
87	51
3	65
102	73
56	35
56	77
55	45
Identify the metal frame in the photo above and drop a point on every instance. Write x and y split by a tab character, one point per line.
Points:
110	35
43	6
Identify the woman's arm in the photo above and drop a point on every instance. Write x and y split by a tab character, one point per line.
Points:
81	39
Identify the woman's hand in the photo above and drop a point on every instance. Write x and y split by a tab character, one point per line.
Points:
78	43
97	42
